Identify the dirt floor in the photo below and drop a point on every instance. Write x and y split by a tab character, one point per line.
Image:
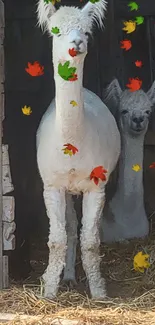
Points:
131	295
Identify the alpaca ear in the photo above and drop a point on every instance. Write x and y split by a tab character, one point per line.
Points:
113	92
96	10
151	93
45	11
112	95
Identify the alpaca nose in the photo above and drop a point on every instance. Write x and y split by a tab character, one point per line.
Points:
138	120
77	42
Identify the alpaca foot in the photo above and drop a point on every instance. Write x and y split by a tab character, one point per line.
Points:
49	293
98	292
69	283
50	287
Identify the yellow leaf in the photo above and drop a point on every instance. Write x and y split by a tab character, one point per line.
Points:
140	262
136	168
67	152
26	110
129	26
73	102
54	2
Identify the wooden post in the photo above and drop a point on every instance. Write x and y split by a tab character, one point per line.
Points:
1	113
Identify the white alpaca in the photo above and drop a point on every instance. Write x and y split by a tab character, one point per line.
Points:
86	124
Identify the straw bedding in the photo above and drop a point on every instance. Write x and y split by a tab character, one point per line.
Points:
131	295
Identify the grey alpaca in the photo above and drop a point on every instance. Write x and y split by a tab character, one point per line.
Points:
125	216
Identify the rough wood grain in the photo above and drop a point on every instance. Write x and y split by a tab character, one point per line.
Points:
7	182
5	272
8	208
5	155
1	110
8	235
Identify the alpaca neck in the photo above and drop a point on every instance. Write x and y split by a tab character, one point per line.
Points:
131	182
69	118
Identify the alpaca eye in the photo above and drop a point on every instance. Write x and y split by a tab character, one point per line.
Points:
124	112
59	35
148	112
87	34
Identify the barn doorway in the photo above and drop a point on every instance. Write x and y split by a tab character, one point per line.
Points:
24	43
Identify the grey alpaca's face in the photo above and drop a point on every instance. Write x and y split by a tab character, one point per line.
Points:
135	110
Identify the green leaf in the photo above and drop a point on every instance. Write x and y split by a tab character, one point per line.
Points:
55	30
47	1
139	20
93	1
133	5
65	72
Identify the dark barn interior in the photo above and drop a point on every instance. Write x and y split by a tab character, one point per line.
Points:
24	42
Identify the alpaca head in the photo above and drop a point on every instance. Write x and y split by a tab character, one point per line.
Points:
70	26
134	107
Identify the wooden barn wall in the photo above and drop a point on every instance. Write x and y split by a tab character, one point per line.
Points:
25	42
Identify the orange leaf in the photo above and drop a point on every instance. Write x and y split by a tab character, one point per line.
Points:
126	44
35	69
72	52
71	148
138	64
98	173
134	84
74	77
152	165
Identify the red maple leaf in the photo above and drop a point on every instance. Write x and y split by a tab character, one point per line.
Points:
35	69
126	44
98	173
138	64
152	165
74	77
134	84
72	52
71	148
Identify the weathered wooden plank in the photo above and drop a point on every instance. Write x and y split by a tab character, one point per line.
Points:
8	235
1	109
150	138
5	272
7	181
20	10
8	208
2	101
5	155
2	64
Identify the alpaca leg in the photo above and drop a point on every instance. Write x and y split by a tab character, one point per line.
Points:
55	205
93	204
71	227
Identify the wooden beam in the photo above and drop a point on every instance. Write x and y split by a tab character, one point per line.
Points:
1	113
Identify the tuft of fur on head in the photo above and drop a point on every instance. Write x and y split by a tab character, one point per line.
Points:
112	93
67	18
96	11
44	12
